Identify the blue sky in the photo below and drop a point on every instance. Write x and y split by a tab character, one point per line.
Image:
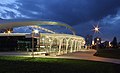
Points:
80	14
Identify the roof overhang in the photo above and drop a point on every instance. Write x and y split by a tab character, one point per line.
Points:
31	23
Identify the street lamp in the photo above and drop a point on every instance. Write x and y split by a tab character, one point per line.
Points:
98	39
97	42
97	30
8	31
43	40
33	32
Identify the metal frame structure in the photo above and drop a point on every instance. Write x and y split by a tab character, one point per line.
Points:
51	43
61	43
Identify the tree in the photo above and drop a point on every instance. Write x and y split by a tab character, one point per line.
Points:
114	43
119	44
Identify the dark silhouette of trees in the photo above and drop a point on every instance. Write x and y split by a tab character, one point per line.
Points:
119	45
114	43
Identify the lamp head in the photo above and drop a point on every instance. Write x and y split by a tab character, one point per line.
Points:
35	31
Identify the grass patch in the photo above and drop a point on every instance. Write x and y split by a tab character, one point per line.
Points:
49	65
109	53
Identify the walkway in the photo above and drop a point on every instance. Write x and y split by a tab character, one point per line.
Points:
88	55
85	55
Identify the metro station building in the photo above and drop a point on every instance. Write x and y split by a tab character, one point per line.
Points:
50	42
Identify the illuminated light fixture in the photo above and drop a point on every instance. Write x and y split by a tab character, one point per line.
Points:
8	31
50	40
43	39
36	31
96	29
97	39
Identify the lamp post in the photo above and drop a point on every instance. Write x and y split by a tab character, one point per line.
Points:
96	30
33	32
97	42
32	44
39	40
43	42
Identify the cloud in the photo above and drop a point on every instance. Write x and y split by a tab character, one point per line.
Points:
109	27
5	2
81	14
68	11
9	9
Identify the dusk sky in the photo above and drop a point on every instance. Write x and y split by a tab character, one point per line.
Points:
80	14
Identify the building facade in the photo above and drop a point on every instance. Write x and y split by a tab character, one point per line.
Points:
51	42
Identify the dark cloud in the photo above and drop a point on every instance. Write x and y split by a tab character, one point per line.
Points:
69	11
81	14
109	27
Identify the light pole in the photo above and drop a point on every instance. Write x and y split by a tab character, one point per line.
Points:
43	42
39	40
32	44
33	32
97	30
97	42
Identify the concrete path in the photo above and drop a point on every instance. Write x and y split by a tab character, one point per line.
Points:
85	55
88	55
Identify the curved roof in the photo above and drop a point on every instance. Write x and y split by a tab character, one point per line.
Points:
38	23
